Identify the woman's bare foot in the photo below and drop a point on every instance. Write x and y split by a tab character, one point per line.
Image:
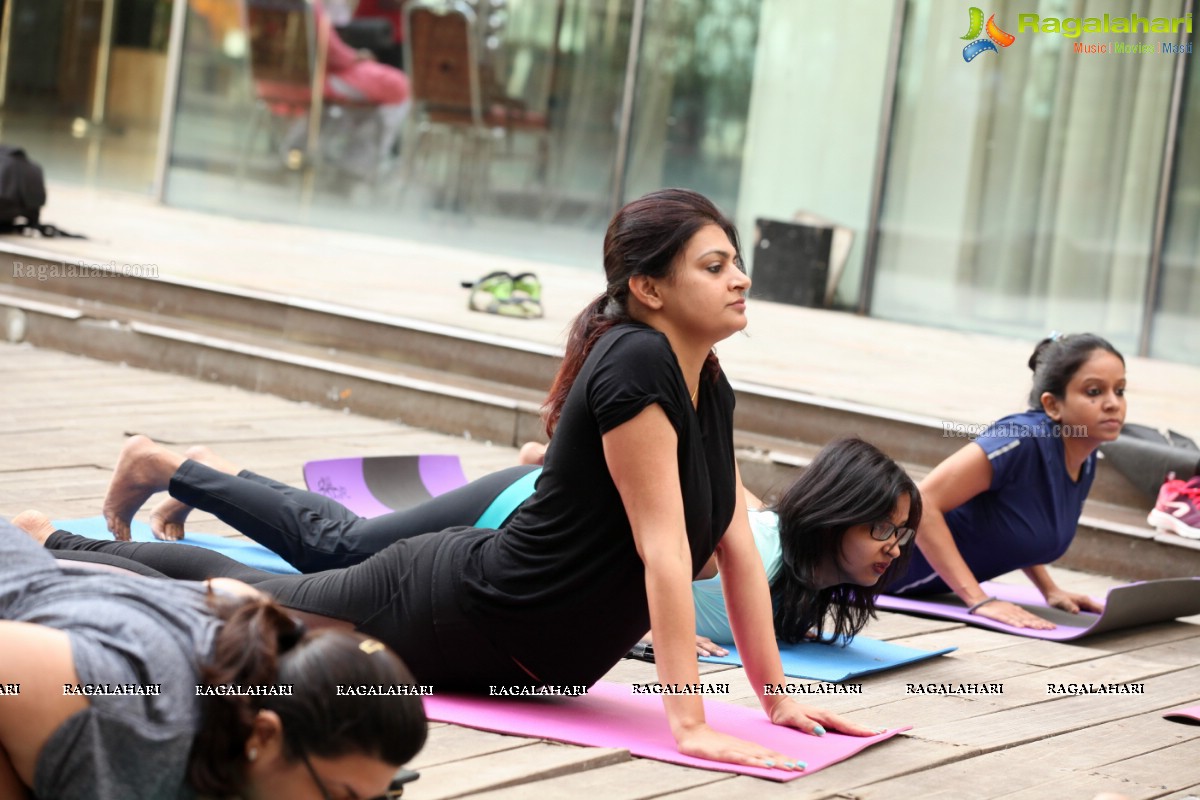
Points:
36	524
168	517
143	468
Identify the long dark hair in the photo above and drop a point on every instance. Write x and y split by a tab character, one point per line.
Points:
644	238
850	482
259	644
1056	359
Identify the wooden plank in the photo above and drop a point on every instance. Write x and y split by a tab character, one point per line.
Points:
1033	766
450	743
896	756
515	767
633	780
893	625
1016	726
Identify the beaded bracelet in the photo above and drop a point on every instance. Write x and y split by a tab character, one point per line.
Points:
979	605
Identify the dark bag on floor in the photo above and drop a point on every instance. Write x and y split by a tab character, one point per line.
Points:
1145	455
22	195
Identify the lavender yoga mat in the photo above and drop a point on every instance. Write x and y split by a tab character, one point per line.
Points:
373	486
1190	715
1126	606
834	663
610	715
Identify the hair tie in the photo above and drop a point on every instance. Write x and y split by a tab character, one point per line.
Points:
371	646
1055	336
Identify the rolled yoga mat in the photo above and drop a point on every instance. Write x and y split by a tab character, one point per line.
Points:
252	554
833	663
1126	606
376	485
1190	715
610	715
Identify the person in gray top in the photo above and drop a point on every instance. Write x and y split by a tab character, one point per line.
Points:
121	686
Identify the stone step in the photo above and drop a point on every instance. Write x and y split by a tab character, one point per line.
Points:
486	387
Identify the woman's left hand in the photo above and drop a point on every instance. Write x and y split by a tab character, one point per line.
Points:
814	720
1073	602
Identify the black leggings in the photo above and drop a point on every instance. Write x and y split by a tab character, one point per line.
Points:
379	574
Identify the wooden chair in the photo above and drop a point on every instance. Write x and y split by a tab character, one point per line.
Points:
288	48
458	101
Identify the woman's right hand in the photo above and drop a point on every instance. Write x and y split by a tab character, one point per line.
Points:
1014	615
701	741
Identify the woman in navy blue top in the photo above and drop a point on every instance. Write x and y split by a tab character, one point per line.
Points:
1012	498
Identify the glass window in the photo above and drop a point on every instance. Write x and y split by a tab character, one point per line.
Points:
813	120
1177	323
1021	186
83	97
534	179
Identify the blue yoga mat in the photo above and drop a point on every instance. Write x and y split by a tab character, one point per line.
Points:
251	554
833	664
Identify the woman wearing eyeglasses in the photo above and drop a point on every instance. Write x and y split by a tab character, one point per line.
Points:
830	545
114	686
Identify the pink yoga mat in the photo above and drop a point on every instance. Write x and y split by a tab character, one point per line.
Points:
1191	714
1126	606
610	715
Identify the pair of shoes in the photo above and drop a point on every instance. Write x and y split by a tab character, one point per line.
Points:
1177	509
507	295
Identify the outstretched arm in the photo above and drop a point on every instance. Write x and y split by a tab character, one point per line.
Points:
641	458
38	659
1058	597
953	482
748	599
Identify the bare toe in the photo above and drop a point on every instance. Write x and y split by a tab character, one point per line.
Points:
167	519
36	524
143	468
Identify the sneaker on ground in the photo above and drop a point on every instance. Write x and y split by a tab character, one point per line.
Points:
1178	507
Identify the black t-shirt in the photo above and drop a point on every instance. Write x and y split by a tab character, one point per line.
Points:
561	588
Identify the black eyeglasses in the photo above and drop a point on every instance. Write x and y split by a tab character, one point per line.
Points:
394	790
883	530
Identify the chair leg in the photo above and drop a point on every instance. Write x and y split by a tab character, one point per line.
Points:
256	118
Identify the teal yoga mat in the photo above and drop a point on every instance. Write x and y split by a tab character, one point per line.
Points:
833	663
251	554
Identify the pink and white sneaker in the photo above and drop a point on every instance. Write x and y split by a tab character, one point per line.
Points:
1177	509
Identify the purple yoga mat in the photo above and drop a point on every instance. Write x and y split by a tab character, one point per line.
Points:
1191	715
1126	606
610	715
377	485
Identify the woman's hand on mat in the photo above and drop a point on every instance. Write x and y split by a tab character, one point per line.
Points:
704	645
701	741
1014	615
707	647
815	721
1073	602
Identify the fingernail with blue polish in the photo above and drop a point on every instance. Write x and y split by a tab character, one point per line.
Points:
788	764
801	764
769	763
818	731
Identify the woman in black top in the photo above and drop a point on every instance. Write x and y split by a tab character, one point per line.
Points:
640	488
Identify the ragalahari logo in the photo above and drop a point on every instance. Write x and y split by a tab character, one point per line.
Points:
995	36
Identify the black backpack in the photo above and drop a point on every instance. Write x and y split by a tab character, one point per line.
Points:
22	195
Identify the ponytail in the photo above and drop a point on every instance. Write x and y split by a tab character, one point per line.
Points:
260	644
644	238
596	319
246	651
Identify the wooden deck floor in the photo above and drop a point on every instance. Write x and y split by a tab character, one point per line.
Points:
64	419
